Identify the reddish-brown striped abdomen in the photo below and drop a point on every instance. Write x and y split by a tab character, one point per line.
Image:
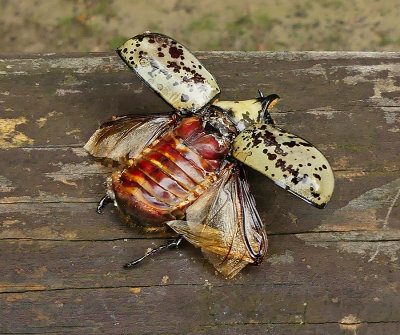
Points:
170	174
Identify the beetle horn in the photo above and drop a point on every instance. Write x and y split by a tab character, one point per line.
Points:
267	102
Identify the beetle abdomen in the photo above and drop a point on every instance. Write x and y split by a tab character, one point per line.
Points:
171	173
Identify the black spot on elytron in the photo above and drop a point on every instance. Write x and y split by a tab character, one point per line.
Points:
174	66
160	54
308	164
300	165
266	168
151	41
280	163
313	157
324	166
316	175
137	45
174	42
130	58
271	157
184	97
182	63
284	175
200	67
320	168
125	50
175	52
198	78
132	62
159	49
273	175
299	178
290	144
315	194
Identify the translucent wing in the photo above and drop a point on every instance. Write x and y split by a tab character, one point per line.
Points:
290	161
171	70
126	136
225	224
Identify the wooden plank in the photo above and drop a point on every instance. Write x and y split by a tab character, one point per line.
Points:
329	271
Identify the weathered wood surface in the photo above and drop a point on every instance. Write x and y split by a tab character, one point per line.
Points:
329	271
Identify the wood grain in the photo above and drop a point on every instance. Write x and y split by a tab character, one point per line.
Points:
331	271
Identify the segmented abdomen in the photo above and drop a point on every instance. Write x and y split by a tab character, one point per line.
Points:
170	174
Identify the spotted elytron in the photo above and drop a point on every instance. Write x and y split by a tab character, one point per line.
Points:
184	171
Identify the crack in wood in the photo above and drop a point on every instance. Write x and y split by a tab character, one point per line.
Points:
340	237
117	287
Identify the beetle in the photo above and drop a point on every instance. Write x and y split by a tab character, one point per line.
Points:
185	170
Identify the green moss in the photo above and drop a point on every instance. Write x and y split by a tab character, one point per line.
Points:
115	42
103	7
206	22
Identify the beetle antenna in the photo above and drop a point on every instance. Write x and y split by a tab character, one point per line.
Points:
102	203
174	243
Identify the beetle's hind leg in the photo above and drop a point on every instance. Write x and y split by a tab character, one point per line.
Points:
174	243
103	202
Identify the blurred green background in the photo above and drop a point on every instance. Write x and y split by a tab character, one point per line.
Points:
88	25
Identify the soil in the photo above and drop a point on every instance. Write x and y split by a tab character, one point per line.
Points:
88	25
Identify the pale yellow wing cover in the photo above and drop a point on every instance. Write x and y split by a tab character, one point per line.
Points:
290	161
171	70
225	224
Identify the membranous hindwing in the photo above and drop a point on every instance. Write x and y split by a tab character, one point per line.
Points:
290	161
171	70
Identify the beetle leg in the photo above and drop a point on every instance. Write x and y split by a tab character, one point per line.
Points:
103	202
174	243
